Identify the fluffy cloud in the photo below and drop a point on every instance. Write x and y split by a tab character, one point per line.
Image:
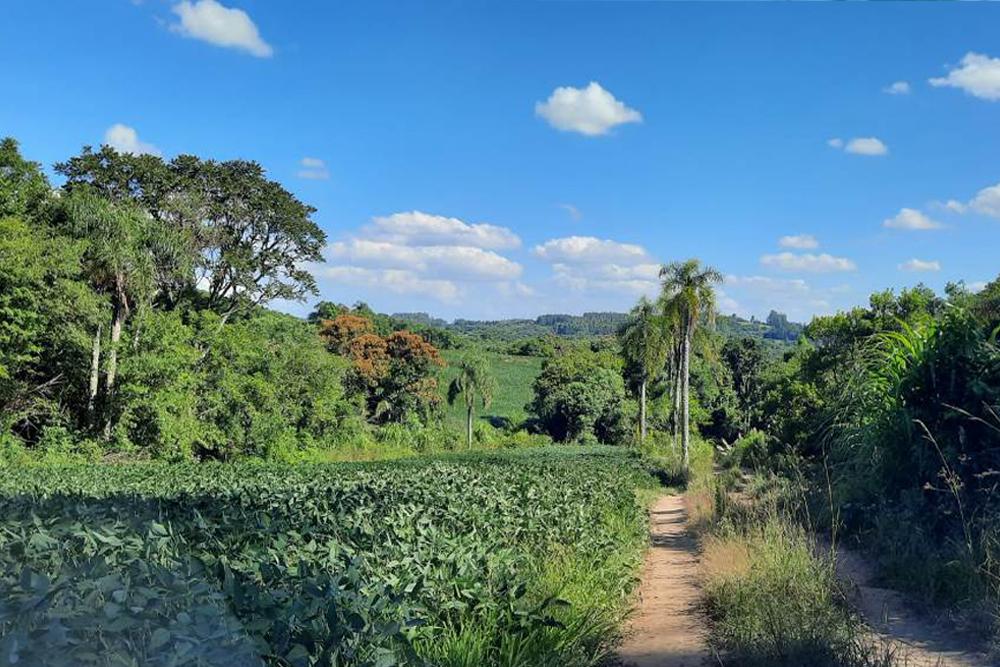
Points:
866	146
423	255
978	75
217	24
460	262
987	201
759	294
418	228
897	88
859	145
125	139
586	263
799	242
313	169
920	265
398	281
590	250
823	263
912	219
591	111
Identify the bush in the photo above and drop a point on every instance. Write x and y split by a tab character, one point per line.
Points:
774	602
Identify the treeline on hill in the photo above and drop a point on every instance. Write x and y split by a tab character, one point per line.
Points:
775	327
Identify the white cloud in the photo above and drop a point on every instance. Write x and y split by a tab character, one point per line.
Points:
515	289
591	111
398	281
954	206
977	286
866	146
573	211
418	228
978	75
593	265
823	263
897	88
217	24
590	250
912	219
125	139
987	201
460	262
920	265
420	255
313	168
799	242
760	294
859	145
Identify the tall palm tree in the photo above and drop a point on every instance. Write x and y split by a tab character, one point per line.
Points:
474	381
120	263
689	295
645	341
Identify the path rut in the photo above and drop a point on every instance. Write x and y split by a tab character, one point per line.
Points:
919	641
668	629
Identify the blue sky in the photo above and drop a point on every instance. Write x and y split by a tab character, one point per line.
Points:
507	159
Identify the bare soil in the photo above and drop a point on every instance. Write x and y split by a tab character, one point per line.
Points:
919	640
668	629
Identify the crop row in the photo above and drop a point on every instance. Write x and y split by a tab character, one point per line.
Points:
300	565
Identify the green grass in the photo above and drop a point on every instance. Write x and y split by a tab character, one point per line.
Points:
773	600
514	376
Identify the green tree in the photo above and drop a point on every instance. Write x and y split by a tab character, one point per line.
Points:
689	295
474	380
645	341
120	262
746	361
580	395
24	190
248	238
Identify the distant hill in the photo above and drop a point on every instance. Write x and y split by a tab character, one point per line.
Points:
776	327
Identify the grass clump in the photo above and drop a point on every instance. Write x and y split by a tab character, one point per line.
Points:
773	598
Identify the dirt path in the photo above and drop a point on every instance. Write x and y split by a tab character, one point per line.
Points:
920	641
667	630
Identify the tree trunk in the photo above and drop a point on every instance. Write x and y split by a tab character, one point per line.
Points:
685	398
117	320
642	412
675	422
95	373
468	426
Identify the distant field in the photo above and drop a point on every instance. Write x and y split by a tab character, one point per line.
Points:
514	376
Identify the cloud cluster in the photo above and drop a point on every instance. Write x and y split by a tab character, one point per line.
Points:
799	242
807	262
759	294
587	263
920	265
897	88
125	139
978	75
312	168
871	146
985	202
911	219
422	229
212	22
591	111
416	253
